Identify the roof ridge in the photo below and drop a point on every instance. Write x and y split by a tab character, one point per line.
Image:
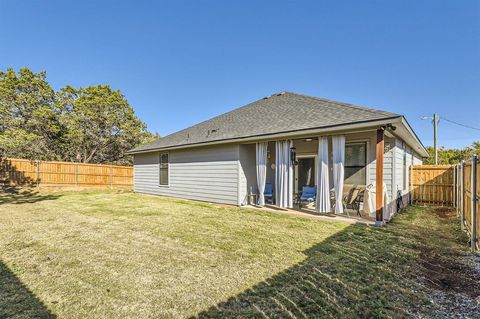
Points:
353	106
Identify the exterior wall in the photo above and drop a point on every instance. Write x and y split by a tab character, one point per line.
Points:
401	171
227	173
207	174
387	163
247	172
388	168
417	160
401	179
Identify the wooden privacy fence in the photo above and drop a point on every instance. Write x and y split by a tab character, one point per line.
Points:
432	184
467	195
21	172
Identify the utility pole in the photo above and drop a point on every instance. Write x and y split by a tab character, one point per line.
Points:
435	122
435	135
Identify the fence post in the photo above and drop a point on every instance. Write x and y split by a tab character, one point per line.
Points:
474	202
462	194
37	177
457	190
454	191
410	197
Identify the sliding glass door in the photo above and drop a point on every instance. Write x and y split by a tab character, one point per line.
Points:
304	173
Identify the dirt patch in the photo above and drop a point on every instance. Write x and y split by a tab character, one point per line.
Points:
449	270
450	274
447	213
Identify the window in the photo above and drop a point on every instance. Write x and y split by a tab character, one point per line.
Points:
355	163
163	171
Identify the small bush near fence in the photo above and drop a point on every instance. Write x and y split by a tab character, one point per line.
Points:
21	172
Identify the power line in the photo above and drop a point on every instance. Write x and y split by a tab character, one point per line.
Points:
460	124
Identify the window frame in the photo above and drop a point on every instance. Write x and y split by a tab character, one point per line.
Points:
366	144
160	169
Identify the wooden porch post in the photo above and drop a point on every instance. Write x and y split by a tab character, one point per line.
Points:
379	177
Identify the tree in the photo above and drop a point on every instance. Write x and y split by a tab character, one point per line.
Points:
475	149
99	125
452	156
92	124
29	126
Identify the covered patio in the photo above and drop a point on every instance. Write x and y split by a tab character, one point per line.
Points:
328	175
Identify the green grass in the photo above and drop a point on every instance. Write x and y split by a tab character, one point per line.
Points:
107	254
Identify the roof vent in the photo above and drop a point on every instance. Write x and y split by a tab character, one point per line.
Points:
267	97
281	93
212	131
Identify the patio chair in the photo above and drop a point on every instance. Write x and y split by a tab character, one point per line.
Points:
353	199
359	200
268	193
309	195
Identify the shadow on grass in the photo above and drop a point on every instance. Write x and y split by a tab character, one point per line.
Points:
19	195
16	300
361	272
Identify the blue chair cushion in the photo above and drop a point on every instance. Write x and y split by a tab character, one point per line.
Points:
268	190
308	193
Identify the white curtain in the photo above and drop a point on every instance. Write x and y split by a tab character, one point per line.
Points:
261	170
323	187
283	174
338	145
370	203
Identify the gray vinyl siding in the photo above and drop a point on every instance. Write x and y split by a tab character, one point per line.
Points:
208	174
388	172
402	174
387	166
399	168
417	159
388	169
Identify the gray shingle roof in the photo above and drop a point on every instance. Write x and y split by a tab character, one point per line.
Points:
282	112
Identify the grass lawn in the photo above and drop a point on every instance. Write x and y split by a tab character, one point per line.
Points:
112	254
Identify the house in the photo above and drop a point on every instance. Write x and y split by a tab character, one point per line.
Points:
289	141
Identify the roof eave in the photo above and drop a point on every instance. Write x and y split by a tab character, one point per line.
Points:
415	136
292	133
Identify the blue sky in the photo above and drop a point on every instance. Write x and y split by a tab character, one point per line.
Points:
181	62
